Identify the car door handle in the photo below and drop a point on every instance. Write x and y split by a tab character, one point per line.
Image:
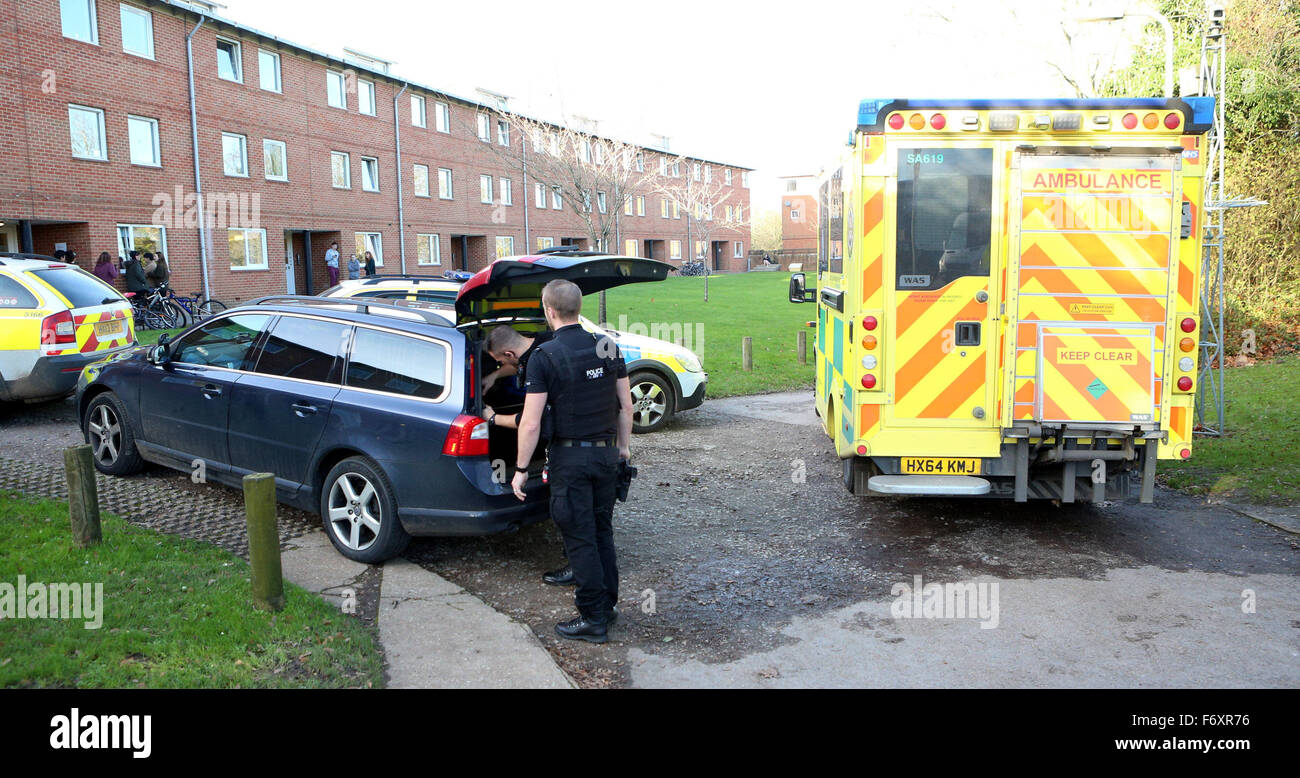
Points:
304	409
211	390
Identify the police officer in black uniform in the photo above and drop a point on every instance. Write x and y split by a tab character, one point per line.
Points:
584	381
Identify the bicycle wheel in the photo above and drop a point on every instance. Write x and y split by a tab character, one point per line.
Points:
146	319
209	307
178	316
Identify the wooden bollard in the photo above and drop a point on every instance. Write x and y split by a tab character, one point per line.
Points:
747	353
801	340
263	541
83	495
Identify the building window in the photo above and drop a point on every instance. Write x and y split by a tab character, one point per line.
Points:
230	62
740	250
677	168
708	174
545	243
640	205
627	207
708	213
485	189
557	200
505	246
586	202
428	250
640	162
234	155
421	173
86	126
505	191
142	136
268	70
137	31
444	183
484	128
629	248
336	89
663	166
370	174
275	160
600	201
503	132
600	153
142	238
727	176
417	111
366	97
586	151
247	249
663	208
675	249
794	214
78	19
728	213
441	117
744	178
539	195
739	211
372	242
341	169
695	171
677	210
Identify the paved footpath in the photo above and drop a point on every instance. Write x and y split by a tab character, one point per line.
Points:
434	633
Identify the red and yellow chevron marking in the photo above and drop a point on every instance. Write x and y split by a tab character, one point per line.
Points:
1188	266
933	380
88	341
1097	375
1180	425
873	242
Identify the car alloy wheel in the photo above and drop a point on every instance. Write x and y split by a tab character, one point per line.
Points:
105	434
355	512
649	403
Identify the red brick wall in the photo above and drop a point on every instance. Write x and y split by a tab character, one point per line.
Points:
41	73
801	234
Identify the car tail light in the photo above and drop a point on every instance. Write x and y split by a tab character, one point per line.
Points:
1130	121
1185	384
1171	121
1188	324
58	329
938	122
869	323
896	121
868	381
468	437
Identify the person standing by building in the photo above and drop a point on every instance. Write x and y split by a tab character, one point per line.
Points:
332	262
583	378
134	274
354	268
104	268
159	274
370	264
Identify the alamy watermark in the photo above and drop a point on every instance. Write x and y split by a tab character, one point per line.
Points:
231	210
968	600
37	600
689	336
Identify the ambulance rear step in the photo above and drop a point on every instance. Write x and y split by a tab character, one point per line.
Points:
941	485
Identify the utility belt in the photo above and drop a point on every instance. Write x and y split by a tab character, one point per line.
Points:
574	443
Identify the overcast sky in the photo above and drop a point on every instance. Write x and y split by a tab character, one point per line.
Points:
773	86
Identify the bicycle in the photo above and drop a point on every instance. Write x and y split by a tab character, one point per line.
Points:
195	307
154	311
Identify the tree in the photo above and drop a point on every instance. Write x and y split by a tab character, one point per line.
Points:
705	200
766	231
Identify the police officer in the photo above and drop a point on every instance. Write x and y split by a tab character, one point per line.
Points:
584	381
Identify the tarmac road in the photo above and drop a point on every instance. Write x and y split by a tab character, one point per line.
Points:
737	573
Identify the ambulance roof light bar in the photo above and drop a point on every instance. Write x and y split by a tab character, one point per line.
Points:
1198	112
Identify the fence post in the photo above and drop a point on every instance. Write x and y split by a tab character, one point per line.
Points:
802	340
747	353
83	495
263	541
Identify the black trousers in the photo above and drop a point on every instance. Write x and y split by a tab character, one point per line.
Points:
582	482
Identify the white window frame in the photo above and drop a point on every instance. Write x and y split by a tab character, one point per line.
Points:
366	95
640	205
601	203
415	179
445	181
435	249
695	171
441	117
94	24
505	191
484	127
739	251
510	251
663	166
125	249
422	114
127	9
485	189
237	60
342	80
378	250
274	57
674	249
103	135
727	176
640	162
557	199
347	169
634	243
153	131
503	132
243	154
284	153
627	207
370	163
539	195
264	264
677	168
744	178
663	208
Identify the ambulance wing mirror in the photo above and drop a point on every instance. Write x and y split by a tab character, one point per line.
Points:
798	291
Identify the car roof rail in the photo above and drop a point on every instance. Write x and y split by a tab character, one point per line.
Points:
358	304
574	251
400	277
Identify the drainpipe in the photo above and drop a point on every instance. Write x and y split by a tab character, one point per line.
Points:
401	212
198	179
523	145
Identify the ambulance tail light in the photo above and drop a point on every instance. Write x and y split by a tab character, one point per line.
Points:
1187	344
868	381
58	329
1150	121
1172	120
869	323
938	122
1188	324
468	437
896	121
1130	121
1185	384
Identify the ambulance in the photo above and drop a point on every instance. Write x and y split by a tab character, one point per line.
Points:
1008	296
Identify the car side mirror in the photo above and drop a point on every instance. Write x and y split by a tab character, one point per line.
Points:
798	291
161	354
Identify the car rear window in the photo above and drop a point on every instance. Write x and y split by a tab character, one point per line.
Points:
82	289
388	362
14	295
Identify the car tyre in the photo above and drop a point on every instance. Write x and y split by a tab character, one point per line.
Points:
653	402
112	444
359	512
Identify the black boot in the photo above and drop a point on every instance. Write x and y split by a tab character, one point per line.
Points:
582	629
561	577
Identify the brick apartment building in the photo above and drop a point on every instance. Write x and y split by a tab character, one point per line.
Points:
297	149
799	213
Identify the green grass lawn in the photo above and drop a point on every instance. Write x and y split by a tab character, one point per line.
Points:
175	613
1259	457
150	337
740	304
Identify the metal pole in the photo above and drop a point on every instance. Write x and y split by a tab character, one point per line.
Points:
401	212
198	178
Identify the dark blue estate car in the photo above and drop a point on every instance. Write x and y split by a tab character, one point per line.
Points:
365	410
